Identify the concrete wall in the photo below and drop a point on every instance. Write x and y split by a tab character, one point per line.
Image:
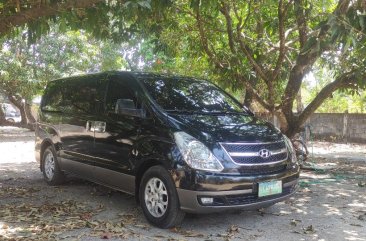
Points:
336	127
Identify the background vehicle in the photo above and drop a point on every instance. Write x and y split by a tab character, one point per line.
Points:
11	114
179	144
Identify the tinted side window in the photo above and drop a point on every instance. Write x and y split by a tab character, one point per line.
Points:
79	95
119	89
52	99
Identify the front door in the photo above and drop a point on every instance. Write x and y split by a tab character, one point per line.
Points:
113	162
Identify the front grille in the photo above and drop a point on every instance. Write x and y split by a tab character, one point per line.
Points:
248	154
263	170
253	147
257	159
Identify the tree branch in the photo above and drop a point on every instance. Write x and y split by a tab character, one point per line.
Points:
225	10
282	50
305	61
43	10
301	22
344	80
248	53
204	40
255	93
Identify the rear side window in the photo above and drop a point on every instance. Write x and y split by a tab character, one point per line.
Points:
79	95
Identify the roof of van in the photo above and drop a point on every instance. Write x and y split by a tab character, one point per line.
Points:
136	74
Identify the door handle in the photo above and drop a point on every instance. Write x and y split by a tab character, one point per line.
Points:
96	126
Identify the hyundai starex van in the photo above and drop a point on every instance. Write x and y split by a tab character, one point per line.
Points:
179	144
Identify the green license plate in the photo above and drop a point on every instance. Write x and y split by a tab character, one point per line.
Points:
269	188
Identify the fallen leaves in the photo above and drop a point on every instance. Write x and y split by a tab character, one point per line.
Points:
230	232
17	192
309	229
45	221
294	222
361	184
109	229
362	217
187	233
106	236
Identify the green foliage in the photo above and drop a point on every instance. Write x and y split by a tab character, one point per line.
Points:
26	68
350	100
341	50
116	20
266	47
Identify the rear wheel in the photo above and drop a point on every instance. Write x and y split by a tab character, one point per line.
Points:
51	171
159	199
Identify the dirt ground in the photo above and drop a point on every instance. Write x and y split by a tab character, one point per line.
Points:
331	204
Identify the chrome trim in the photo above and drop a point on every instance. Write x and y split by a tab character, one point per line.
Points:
283	150
243	154
259	164
254	154
248	143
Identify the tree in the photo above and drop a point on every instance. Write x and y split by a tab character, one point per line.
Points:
263	47
26	68
19	13
112	19
267	47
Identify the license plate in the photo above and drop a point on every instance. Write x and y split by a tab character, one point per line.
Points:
269	188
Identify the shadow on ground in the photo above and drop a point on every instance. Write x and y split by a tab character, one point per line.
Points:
331	205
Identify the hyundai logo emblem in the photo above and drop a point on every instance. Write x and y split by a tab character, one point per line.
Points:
264	153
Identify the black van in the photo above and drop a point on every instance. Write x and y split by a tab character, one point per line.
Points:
178	144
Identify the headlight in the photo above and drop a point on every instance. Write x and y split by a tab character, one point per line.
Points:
196	154
290	149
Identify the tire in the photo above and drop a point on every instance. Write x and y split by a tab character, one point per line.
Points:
11	120
159	199
50	168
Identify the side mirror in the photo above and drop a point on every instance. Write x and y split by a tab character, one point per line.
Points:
127	107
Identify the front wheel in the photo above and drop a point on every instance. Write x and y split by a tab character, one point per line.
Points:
51	170
159	199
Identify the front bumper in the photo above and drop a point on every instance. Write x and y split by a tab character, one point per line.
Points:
245	199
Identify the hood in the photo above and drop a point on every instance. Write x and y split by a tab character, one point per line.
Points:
227	128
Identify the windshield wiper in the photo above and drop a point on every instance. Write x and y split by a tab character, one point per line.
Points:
227	113
189	112
193	112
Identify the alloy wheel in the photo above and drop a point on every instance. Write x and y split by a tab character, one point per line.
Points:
156	197
49	166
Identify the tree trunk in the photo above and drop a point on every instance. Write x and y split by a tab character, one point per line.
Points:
283	126
28	112
2	116
248	99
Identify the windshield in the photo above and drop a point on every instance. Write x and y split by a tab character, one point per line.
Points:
189	95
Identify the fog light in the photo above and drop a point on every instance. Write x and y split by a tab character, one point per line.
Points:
206	200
